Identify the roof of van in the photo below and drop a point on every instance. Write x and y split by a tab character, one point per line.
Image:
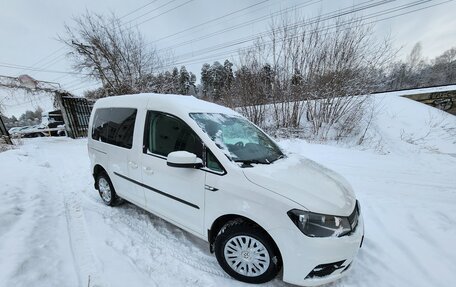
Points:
163	102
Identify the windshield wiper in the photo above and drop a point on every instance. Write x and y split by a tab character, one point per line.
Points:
249	162
279	157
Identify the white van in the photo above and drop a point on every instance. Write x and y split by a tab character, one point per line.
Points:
210	171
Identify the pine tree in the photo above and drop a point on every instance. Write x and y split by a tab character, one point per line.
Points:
193	89
229	77
184	81
217	73
175	81
206	80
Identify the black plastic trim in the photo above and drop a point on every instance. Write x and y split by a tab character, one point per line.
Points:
206	149
156	155
100	151
323	270
158	191
206	169
185	165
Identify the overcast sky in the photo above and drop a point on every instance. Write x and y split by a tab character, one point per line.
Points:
29	29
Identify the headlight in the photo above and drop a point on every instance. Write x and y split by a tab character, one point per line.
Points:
320	225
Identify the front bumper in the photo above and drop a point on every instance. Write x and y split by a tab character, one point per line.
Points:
311	261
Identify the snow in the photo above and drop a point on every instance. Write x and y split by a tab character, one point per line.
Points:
403	126
55	230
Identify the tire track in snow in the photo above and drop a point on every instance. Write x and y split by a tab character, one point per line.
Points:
84	261
156	237
31	253
82	253
152	244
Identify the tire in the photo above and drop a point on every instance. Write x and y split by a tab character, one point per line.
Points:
106	189
241	261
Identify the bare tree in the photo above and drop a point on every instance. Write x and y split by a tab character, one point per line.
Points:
319	70
117	56
415	60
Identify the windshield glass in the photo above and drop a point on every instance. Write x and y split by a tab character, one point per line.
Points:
238	138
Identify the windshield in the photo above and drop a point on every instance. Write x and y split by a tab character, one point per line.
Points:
238	138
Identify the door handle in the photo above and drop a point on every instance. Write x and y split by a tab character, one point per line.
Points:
133	165
211	188
148	170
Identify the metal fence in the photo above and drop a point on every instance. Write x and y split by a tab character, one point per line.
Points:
76	115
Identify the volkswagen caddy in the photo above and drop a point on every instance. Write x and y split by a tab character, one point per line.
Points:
208	170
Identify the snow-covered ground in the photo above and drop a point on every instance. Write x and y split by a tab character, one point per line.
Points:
55	230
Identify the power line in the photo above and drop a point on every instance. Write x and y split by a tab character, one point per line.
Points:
59	78
48	56
167	11
186	59
147	13
60	56
251	22
28	68
373	15
61	48
352	11
85	87
54	61
209	21
137	9
183	62
249	39
328	16
244	24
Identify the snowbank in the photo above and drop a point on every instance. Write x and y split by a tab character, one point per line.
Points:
55	230
401	125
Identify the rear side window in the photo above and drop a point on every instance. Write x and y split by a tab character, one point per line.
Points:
114	126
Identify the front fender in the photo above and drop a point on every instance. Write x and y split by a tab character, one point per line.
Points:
238	196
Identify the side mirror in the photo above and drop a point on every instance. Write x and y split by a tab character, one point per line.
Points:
184	159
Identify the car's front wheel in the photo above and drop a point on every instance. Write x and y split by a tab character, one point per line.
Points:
106	190
247	253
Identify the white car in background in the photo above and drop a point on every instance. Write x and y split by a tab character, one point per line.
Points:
210	171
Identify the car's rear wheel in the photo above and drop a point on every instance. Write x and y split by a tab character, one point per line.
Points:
106	189
247	253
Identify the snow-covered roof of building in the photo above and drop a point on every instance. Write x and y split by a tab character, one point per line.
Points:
420	91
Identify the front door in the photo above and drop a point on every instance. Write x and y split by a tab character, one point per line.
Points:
176	194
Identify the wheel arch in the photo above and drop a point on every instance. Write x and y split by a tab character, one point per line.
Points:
97	169
222	220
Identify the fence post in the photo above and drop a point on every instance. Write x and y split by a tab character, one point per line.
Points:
4	132
66	119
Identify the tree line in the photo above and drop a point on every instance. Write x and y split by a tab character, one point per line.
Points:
303	77
417	72
28	118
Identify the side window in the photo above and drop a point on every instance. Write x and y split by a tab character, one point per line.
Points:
212	162
114	126
165	134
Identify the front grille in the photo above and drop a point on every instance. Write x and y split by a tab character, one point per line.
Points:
323	270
